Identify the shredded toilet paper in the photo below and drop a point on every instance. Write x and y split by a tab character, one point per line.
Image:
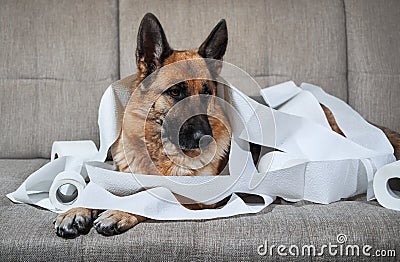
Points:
313	162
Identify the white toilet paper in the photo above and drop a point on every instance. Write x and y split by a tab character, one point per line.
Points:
85	149
383	193
279	94
65	189
315	164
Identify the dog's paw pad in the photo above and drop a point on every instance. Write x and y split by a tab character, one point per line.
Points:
112	222
73	222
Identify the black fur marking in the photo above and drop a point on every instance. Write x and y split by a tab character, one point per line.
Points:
152	44
206	90
214	46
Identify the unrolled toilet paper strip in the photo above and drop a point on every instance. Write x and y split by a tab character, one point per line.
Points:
314	174
159	203
75	185
85	149
386	196
279	94
71	154
302	136
111	109
351	122
352	125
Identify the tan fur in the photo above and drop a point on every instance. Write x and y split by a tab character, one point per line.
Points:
113	222
331	120
141	150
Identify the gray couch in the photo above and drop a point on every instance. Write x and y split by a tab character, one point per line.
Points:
57	58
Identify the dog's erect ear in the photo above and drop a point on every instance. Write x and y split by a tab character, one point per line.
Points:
215	45
152	45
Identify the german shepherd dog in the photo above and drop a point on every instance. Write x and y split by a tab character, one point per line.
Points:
153	52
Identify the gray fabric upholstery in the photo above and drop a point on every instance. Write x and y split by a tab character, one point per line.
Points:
27	234
56	59
373	33
274	40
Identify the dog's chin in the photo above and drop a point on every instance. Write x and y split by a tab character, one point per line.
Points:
191	152
174	149
191	159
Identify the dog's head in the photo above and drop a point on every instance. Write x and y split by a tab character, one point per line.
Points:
154	52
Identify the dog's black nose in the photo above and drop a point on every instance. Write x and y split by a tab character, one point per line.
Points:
195	133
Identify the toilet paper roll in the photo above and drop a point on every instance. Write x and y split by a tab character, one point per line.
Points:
65	189
384	194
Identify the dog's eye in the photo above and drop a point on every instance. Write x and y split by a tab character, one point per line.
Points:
206	90
175	92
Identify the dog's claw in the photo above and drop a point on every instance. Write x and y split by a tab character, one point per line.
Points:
73	222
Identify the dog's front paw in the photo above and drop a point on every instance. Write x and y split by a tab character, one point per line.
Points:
74	222
113	222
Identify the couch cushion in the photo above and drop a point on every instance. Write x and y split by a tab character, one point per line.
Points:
373	33
274	40
26	232
56	59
